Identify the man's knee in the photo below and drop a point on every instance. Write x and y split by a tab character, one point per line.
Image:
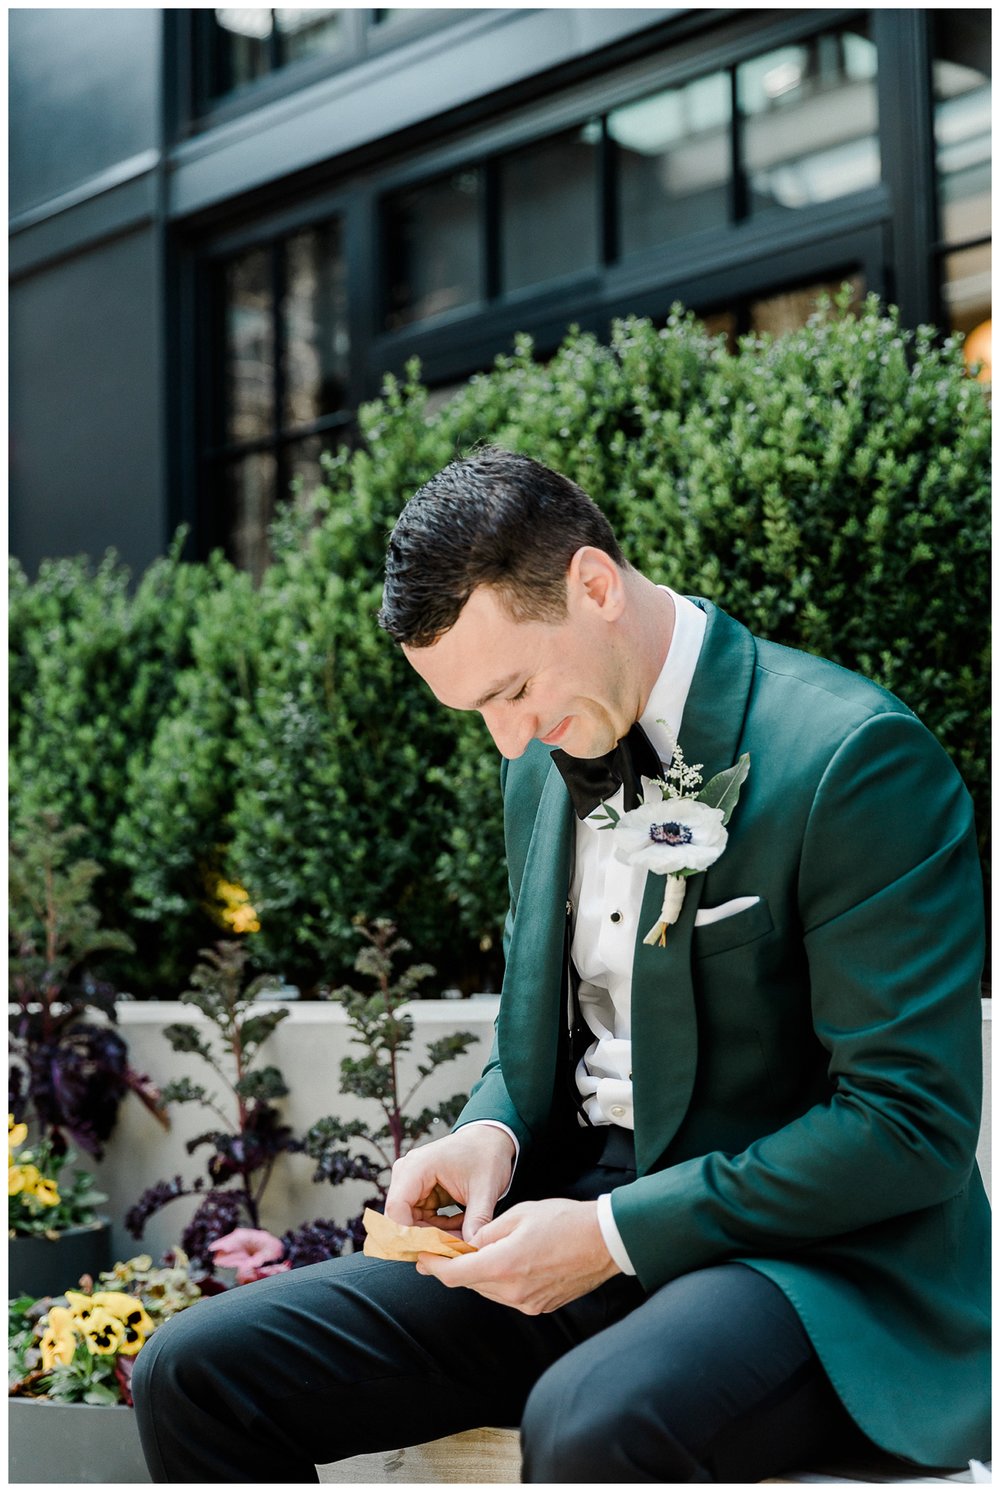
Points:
179	1356
579	1425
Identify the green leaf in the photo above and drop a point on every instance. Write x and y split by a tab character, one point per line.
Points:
605	811
100	1393
723	790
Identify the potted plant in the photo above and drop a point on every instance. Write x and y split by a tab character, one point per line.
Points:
71	1360
247	1135
68	1066
55	1232
384	1031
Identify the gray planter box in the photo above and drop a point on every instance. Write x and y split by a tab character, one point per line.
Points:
73	1443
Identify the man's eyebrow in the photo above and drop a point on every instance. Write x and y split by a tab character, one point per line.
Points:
494	690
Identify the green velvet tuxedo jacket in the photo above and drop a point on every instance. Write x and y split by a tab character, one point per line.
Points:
807	1073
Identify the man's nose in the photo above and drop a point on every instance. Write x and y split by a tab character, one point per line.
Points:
511	729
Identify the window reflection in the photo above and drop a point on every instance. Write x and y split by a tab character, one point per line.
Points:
673	162
433	248
810	120
787	310
307	33
251	492
966	287
249	346
314	321
250	42
548	208
962	123
286	378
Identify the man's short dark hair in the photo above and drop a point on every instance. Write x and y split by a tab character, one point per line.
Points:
493	518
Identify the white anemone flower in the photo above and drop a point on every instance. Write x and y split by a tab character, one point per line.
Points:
679	834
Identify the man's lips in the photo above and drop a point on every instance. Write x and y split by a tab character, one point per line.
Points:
555	736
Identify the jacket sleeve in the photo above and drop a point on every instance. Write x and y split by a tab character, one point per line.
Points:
489	1098
890	901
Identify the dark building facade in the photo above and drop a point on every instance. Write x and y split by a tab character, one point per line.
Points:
227	225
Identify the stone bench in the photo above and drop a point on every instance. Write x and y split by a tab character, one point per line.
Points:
493	1455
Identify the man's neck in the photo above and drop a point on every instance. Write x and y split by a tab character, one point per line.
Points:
652	631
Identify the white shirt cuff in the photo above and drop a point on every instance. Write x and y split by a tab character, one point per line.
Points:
495	1124
610	1234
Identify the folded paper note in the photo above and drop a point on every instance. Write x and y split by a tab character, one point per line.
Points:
388	1240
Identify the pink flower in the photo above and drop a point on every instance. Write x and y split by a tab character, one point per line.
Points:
251	1252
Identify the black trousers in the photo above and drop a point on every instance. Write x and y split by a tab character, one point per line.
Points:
710	1378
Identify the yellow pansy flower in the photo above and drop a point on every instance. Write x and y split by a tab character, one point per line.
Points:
22	1179
46	1192
16	1133
237	912
81	1305
103	1333
59	1339
130	1312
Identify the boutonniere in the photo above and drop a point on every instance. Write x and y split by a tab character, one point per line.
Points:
680	836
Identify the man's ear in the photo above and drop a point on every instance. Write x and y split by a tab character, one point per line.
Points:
593	580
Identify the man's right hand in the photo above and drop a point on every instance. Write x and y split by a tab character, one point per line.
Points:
471	1167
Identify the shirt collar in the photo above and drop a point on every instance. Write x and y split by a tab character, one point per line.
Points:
668	695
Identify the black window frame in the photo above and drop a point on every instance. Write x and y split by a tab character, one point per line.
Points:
202	107
864	233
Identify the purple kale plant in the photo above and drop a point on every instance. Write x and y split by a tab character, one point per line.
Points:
247	1136
384	1031
68	1067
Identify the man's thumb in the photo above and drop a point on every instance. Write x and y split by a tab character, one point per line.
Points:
478	1212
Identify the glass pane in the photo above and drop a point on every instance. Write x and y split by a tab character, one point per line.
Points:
249	346
790	309
251	484
548	208
314	323
433	248
673	162
244	43
962	112
307	33
967	287
810	120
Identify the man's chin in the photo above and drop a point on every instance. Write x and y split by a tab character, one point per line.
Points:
586	747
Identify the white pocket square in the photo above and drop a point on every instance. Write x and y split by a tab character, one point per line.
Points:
705	915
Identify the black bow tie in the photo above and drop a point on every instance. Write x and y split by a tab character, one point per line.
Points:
593	780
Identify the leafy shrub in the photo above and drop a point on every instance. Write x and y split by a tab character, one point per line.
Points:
830	488
93	667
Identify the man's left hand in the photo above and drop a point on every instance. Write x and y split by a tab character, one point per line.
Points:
536	1257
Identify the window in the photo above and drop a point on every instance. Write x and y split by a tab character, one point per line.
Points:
434	249
673	155
548	208
962	117
788	129
248	43
809	120
285	356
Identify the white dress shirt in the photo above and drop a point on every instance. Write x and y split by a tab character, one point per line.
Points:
606	900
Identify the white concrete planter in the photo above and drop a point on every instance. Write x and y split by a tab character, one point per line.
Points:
58	1443
308	1047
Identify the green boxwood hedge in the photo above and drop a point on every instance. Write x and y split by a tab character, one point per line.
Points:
830	488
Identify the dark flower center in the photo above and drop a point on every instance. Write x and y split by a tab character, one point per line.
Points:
670	834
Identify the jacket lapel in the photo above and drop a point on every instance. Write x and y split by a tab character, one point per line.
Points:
532	1016
664	1023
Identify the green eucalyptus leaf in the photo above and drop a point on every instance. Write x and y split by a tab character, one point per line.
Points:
723	790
